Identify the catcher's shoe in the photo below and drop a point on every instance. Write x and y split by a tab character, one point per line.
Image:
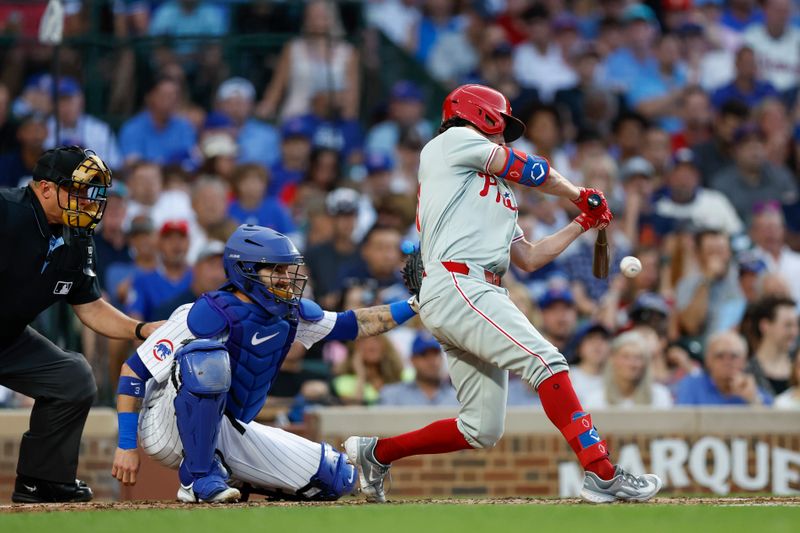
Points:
622	487
32	490
371	473
212	488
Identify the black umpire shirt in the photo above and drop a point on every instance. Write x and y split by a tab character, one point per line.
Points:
37	267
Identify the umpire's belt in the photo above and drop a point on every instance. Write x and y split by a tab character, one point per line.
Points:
461	268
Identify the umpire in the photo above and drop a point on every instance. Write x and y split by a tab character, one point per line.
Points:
46	230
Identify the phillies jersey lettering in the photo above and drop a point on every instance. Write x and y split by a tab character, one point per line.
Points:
506	198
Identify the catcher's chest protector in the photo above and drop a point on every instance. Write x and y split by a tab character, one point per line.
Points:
257	345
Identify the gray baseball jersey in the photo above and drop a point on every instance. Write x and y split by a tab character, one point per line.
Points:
467	215
263	456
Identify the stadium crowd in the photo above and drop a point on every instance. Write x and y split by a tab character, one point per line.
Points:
684	112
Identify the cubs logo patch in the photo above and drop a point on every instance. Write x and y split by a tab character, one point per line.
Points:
162	349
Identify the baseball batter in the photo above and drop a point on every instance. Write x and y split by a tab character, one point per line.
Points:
201	396
468	236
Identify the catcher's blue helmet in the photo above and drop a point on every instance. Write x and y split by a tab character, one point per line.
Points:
253	248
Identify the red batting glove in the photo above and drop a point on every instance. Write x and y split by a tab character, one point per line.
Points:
588	221
583	201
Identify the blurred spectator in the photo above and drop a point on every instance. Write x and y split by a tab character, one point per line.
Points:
211	221
724	381
16	167
753	180
331	130
36	97
697	116
457	53
774	322
157	134
327	259
406	164
539	62
406	110
628	130
543	136
439	18
219	151
657	95
110	240
577	100
395	18
741	14
790	398
8	130
625	66
628	378
638	184
429	386
76	127
520	393
208	275
380	261
707	300
657	148
319	60
252	206
173	276
371	364
774	120
294	156
324	172
776	44
684	201
717	153
629	296
148	196
497	70
142	241
746	87
512	21
559	316
768	231
592	350
258	141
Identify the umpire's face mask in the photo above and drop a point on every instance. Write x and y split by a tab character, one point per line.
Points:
83	196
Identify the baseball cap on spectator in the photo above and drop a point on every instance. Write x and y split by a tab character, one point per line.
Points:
588	329
378	162
176	226
140	225
236	86
750	263
297	127
68	86
636	166
691	29
405	91
636	12
211	249
565	22
747	131
703	3
39	82
646	304
424	342
219	144
676	5
503	49
554	295
536	12
683	156
342	201
585	49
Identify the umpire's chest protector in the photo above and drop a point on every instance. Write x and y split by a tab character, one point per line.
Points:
257	345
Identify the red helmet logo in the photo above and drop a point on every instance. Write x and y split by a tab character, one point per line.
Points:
485	108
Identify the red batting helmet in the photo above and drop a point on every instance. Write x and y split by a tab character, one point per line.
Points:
485	108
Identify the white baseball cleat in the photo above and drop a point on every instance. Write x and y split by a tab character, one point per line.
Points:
622	487
371	473
186	494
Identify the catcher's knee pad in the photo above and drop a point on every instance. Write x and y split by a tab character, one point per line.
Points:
205	377
335	477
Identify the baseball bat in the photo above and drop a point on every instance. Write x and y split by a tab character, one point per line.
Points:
602	256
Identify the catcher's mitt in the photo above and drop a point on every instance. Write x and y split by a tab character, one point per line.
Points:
412	272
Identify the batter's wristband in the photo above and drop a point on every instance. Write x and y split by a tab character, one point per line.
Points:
128	425
138	331
401	311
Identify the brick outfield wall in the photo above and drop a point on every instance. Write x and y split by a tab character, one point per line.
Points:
525	463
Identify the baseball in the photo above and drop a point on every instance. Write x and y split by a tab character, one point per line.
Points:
630	266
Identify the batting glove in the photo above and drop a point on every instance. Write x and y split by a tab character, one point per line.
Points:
583	201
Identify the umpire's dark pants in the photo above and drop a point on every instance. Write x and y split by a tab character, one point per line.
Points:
63	386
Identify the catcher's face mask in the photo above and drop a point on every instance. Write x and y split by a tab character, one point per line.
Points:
284	281
86	192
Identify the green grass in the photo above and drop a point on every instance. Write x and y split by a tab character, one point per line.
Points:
415	518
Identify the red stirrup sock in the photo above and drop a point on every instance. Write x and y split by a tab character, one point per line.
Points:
441	436
565	412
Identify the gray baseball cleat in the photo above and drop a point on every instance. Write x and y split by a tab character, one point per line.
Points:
622	487
371	473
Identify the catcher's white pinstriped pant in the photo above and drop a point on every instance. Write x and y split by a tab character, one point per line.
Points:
262	456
